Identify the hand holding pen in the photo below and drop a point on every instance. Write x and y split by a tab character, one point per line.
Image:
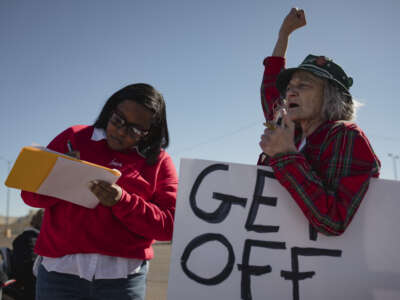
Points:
271	125
71	152
107	193
279	139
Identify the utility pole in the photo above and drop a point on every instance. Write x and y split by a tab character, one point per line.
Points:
394	158
8	196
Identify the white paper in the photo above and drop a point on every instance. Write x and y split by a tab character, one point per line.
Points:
68	181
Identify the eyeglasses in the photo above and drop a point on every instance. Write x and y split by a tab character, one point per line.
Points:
133	131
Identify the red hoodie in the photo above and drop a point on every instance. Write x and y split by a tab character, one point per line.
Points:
145	212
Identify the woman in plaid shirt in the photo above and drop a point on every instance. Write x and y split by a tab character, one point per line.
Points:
323	159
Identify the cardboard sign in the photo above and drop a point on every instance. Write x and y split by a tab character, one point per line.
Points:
239	235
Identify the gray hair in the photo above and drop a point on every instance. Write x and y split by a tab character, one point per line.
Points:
338	105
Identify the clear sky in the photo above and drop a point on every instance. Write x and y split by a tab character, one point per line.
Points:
60	60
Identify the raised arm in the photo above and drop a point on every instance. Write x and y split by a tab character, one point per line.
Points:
294	20
274	64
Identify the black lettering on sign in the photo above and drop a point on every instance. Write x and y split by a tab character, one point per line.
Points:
295	275
248	270
197	242
312	232
227	200
259	199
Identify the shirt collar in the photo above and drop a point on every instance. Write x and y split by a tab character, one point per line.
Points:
98	134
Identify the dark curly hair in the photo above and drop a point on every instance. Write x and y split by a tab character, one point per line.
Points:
146	95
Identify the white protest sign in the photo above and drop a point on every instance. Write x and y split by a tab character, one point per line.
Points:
239	235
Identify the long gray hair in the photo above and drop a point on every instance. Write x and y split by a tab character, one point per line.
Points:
338	105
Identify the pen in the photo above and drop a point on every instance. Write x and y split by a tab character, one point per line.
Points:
69	145
271	125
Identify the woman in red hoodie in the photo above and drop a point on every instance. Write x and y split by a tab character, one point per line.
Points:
102	253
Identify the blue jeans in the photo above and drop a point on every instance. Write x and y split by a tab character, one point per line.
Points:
59	286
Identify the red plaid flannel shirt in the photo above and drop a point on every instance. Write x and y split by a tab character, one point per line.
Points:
330	175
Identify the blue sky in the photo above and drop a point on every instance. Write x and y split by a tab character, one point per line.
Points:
61	60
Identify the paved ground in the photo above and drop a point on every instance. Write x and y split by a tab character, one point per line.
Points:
157	279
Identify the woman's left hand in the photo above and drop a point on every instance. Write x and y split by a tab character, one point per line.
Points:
280	139
107	193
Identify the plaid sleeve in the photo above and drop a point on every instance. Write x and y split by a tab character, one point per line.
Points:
269	93
330	197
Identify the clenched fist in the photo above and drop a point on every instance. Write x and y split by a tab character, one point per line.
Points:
294	20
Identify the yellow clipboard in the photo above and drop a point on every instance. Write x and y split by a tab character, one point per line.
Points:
40	170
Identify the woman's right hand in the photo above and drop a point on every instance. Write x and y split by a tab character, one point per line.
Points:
71	152
74	154
294	20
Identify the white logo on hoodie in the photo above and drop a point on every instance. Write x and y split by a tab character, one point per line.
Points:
115	163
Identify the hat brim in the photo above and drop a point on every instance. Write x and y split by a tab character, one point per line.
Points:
285	76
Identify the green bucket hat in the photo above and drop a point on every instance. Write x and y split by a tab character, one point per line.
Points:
320	66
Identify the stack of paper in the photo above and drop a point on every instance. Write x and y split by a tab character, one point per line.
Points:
46	172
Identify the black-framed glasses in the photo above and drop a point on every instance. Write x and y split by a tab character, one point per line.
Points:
133	131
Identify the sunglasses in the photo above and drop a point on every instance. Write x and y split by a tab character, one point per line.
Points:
133	131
